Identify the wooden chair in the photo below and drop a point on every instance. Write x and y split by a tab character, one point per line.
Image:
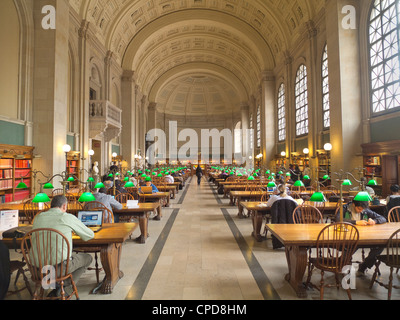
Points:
108	217
32	209
334	251
306	214
394	214
57	192
391	259
37	251
124	197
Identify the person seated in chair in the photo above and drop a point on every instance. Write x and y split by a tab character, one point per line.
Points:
108	201
57	218
359	214
394	199
148	183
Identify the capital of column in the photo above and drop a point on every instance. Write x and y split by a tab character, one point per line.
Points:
267	75
128	76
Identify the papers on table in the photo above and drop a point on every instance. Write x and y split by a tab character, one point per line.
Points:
132	204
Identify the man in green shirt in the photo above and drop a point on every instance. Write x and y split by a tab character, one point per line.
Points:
57	218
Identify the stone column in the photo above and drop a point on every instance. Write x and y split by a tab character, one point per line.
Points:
51	87
128	92
345	90
268	116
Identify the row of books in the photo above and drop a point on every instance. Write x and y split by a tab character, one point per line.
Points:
6	198
6	163
73	163
373	161
23	163
6	173
22	173
21	195
6	184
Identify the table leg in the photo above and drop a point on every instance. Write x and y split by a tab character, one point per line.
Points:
257	219
297	262
110	259
240	208
143	226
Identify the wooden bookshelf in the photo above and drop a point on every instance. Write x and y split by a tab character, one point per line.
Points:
324	166
381	161
15	166
73	166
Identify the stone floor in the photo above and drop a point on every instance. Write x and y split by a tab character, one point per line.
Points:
200	250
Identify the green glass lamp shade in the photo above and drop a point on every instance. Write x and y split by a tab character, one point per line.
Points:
90	179
110	175
280	172
22	185
326	177
372	182
239	175
298	183
48	186
347	182
99	185
130	173
154	173
147	179
126	179
271	185
250	178
363	196
139	171
148	170
288	174
117	174
267	172
144	175
317	197
41	197
159	175
129	184
306	177
71	179
87	197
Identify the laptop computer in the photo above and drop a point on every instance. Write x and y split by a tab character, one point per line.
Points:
92	219
146	190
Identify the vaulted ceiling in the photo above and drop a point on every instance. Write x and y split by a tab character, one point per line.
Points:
193	55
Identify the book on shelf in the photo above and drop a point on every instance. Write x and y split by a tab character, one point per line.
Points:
373	161
6	184
22	173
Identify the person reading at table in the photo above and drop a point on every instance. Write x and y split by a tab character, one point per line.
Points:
394	199
57	218
148	183
359	213
281	194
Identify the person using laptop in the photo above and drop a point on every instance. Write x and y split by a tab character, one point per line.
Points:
148	183
108	201
57	218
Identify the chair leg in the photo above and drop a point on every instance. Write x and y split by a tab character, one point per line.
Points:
321	292
390	284
375	274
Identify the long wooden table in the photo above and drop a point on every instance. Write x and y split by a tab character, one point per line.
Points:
141	212
257	210
297	238
154	197
110	240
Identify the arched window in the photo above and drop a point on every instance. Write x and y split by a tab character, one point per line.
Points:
384	55
325	90
301	98
281	113
258	129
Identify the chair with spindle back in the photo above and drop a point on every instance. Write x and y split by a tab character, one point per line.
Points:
38	250
394	214
31	209
334	251
307	214
391	259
